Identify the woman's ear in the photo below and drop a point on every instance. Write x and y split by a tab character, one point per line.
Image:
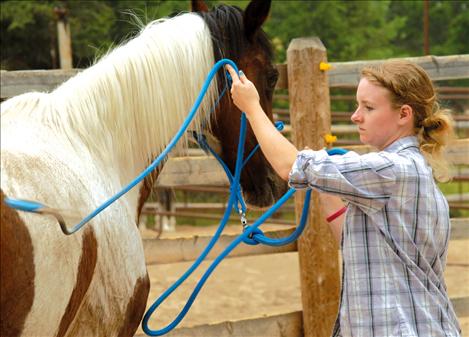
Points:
406	115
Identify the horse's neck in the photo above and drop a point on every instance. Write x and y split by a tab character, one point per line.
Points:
128	106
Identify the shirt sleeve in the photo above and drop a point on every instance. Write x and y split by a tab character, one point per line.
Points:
364	180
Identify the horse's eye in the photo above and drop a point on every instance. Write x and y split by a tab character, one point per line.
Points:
272	78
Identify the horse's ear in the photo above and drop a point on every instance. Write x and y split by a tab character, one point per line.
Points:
255	15
198	6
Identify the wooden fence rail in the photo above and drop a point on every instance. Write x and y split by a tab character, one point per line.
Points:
347	74
342	74
204	170
171	250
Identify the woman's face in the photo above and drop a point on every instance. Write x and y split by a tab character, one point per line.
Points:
378	122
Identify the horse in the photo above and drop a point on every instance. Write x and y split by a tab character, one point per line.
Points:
76	146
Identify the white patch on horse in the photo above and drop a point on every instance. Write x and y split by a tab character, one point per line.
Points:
77	146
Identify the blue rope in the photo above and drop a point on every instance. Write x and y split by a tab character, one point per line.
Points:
251	235
32	206
216	262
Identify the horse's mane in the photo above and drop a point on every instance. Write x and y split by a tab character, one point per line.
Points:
127	106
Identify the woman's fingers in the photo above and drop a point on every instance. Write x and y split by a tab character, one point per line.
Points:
243	91
234	76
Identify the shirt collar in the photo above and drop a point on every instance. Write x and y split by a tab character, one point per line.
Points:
402	144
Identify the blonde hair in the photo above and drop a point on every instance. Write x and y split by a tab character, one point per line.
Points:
409	84
129	105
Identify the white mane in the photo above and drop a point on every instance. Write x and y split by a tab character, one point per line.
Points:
127	106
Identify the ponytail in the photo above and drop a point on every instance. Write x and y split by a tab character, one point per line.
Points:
434	134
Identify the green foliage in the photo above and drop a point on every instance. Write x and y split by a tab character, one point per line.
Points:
90	26
449	27
350	30
25	31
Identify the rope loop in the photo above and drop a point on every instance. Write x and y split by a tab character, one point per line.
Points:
251	238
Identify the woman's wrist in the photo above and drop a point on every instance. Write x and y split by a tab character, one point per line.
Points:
254	109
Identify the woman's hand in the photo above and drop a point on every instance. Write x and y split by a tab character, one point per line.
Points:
243	92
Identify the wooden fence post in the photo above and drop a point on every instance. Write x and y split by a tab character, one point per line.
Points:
64	38
311	120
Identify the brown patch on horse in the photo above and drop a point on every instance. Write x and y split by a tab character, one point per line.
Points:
17	272
85	273
145	190
136	307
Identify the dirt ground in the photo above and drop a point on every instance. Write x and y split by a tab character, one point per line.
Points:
249	287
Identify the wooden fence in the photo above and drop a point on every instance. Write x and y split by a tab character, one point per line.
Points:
309	98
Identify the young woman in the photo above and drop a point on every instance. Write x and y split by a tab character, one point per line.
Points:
396	229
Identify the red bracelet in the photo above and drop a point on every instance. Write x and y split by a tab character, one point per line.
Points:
334	216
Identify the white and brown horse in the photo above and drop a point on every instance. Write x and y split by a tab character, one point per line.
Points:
75	147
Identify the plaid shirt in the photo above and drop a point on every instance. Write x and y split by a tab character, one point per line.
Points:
394	240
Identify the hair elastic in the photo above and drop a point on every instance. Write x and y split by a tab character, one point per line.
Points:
335	215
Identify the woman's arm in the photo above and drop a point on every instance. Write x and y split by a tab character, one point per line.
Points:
329	205
280	153
277	149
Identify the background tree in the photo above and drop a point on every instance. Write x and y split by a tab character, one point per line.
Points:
350	30
26	30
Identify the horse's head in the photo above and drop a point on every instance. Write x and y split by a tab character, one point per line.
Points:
237	35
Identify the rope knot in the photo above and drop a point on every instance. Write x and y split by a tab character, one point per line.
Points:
251	238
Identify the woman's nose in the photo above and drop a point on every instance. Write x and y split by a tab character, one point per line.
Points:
356	118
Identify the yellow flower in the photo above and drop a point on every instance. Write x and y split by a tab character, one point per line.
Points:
324	66
330	139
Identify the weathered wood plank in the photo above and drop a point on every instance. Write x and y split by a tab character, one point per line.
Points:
342	74
348	73
339	129
458	152
460	229
173	250
205	170
283	325
19	82
205	215
461	306
194	171
438	68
